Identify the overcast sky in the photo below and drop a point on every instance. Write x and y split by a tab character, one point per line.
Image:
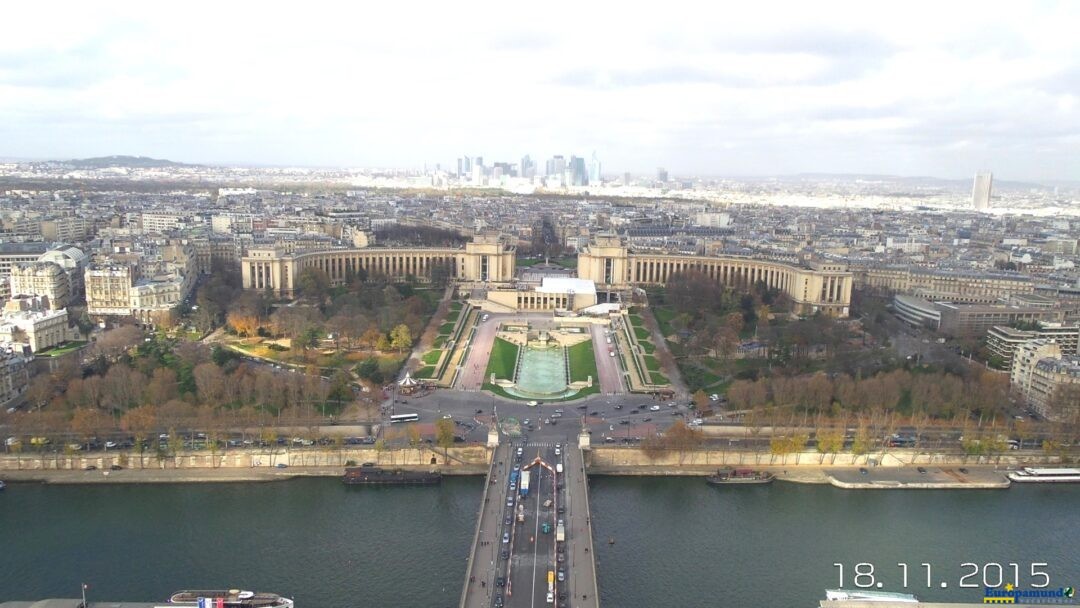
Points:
706	88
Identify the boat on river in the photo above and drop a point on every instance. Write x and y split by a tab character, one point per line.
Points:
2	485
371	475
224	598
1045	475
739	476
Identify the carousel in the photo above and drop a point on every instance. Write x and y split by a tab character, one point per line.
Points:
409	385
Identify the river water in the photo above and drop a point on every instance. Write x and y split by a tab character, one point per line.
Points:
678	542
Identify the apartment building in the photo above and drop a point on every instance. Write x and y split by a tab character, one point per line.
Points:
44	279
28	320
14	374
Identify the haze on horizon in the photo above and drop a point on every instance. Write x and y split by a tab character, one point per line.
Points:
778	88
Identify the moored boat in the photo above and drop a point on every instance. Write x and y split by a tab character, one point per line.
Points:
222	598
733	476
1045	475
370	475
2	484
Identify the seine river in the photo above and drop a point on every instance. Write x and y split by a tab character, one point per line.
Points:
677	542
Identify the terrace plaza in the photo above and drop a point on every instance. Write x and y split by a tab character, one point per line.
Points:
488	263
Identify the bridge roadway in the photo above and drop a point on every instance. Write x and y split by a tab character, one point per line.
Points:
512	555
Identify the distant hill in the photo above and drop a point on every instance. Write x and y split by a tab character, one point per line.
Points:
102	162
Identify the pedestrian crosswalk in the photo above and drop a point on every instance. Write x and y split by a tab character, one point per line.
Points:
542	444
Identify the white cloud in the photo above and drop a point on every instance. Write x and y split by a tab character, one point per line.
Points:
925	88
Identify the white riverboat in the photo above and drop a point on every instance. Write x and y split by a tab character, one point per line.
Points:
858	595
1045	475
230	598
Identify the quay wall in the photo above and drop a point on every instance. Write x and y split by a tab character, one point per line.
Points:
635	461
462	460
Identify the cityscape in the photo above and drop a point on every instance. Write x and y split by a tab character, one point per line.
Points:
561	357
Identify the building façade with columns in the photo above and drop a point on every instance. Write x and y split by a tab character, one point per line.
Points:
817	287
607	262
487	259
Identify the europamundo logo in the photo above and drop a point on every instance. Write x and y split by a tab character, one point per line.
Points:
1014	595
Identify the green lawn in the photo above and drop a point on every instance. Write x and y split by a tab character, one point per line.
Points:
647	346
455	306
582	362
63	349
446	328
641	333
431	357
428	371
502	361
651	363
439	342
452	316
697	377
658	378
663	319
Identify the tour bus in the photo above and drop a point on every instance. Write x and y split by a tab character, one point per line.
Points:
404	418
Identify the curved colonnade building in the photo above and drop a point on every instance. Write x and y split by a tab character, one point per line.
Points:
817	287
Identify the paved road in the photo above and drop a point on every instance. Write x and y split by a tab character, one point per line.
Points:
472	376
533	550
480	589
580	585
607	367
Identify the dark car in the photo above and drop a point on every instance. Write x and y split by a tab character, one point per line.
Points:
863	471
562	509
618	407
501	581
116	467
963	470
479	411
594	413
89	467
498	601
921	470
504	554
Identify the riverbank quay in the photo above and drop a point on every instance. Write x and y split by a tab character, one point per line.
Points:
469	460
895	470
612	459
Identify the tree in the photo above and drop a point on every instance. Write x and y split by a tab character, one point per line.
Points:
383	343
444	433
211	383
701	400
413	433
40	391
89	422
162	387
829	441
140	422
113	343
401	338
122	387
313	283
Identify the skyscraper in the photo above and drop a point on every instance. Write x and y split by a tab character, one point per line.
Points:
555	166
528	167
980	192
578	175
594	169
661	174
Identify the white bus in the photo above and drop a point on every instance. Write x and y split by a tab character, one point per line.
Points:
404	418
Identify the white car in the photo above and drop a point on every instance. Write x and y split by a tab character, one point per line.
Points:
533	403
550	598
654	408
